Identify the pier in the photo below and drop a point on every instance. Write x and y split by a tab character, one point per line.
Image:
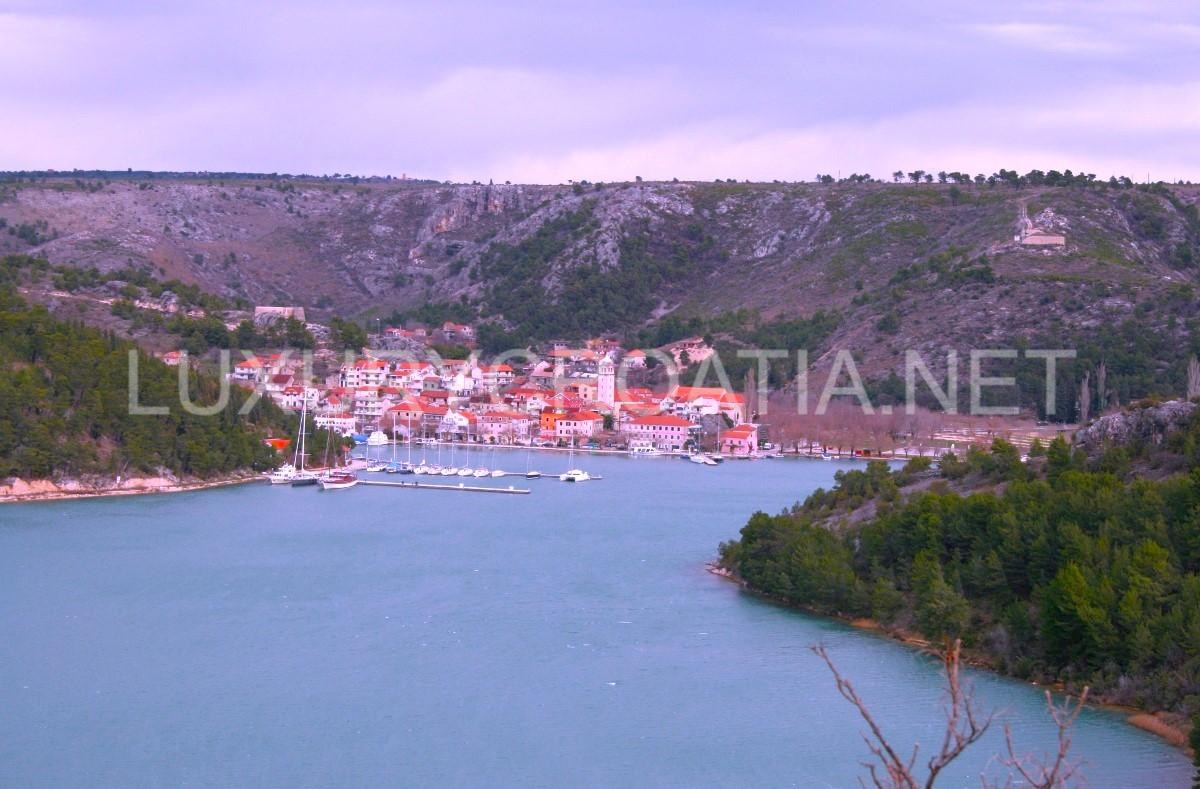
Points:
434	486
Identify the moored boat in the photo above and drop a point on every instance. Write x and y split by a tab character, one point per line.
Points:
282	475
338	480
643	449
303	478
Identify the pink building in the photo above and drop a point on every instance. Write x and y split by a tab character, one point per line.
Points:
504	427
740	441
663	431
578	424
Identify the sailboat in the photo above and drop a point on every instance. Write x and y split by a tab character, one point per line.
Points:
302	477
287	472
335	478
407	466
423	466
338	480
437	467
716	456
529	473
451	470
466	470
573	474
495	472
394	466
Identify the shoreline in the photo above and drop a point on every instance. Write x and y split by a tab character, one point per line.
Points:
48	490
1156	723
668	454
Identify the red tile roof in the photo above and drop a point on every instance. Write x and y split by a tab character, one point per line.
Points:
662	420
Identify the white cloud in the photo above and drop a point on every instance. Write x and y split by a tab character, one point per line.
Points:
1068	39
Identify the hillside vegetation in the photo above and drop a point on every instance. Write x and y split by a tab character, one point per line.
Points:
1072	566
890	266
64	407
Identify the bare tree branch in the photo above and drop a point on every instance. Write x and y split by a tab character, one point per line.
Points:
899	773
1037	773
963	727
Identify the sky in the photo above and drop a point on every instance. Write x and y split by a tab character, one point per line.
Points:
513	90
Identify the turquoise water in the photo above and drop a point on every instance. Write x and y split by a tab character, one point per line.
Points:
258	636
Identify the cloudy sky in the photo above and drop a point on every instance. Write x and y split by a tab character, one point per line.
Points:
541	92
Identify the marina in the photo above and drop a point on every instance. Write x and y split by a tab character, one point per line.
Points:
461	487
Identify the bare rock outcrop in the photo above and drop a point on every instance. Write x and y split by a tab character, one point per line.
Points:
1140	426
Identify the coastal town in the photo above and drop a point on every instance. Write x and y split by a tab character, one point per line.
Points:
434	383
398	388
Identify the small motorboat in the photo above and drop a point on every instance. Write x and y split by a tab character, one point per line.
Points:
643	449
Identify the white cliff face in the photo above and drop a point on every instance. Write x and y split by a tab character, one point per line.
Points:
1141	426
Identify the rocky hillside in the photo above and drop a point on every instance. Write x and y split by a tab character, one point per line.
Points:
919	266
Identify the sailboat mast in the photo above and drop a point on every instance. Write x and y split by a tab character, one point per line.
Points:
299	453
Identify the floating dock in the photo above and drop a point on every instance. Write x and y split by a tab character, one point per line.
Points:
434	486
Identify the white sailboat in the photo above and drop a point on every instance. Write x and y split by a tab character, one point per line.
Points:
338	480
285	473
301	477
530	473
573	474
335	478
716	456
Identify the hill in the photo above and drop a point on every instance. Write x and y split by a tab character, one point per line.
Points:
64	408
893	266
1081	565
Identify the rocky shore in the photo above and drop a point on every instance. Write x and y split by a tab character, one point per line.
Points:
17	490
